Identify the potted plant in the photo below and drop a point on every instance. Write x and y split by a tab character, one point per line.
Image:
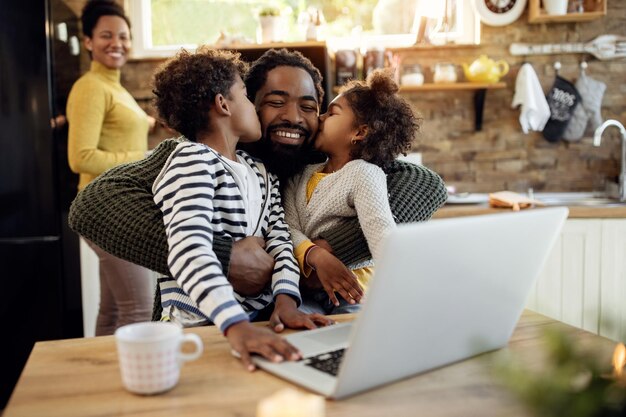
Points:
270	25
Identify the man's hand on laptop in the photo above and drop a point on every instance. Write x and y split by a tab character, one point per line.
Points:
251	267
334	276
244	338
286	314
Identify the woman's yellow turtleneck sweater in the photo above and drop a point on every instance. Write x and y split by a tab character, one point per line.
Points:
106	125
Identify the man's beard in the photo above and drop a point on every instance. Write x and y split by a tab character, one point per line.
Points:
281	159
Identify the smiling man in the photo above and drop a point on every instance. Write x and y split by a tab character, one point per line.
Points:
117	211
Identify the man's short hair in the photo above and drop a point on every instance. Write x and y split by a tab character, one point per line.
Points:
272	58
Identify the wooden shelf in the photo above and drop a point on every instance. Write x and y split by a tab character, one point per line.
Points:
428	47
595	9
467	86
275	45
460	86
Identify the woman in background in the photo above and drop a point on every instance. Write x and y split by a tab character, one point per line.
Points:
107	128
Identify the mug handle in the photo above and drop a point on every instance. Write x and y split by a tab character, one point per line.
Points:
195	340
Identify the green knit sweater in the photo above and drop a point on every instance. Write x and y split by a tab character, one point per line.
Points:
116	212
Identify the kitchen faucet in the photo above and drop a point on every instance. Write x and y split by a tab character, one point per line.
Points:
597	138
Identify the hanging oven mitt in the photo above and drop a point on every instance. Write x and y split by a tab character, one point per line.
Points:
509	199
586	114
562	99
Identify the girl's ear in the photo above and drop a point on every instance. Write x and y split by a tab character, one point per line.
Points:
221	105
361	133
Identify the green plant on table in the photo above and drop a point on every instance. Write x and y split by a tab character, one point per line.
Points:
573	383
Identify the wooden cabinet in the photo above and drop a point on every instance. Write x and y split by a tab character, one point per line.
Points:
584	280
594	9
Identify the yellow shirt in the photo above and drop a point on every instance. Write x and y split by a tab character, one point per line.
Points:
106	125
363	275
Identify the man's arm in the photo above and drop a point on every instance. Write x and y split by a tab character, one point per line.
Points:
415	193
116	211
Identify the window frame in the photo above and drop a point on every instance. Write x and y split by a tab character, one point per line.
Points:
140	15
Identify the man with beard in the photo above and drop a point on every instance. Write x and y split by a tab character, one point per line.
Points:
116	211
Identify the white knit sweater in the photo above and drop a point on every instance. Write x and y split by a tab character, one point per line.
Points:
359	189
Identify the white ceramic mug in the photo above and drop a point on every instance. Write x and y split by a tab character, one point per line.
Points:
150	355
555	7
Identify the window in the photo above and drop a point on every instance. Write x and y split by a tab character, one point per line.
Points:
161	27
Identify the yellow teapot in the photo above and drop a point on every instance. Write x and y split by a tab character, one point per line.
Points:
485	70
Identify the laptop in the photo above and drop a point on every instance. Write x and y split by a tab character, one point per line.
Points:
443	291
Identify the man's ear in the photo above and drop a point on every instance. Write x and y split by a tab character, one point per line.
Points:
221	105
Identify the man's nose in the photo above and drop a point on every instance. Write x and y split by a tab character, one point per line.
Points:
292	114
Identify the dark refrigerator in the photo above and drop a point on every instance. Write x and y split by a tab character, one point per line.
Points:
39	61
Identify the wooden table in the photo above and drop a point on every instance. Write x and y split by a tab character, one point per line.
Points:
80	377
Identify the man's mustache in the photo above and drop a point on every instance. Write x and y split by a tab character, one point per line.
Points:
305	132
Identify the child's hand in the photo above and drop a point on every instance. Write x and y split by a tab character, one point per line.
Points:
335	277
286	314
245	339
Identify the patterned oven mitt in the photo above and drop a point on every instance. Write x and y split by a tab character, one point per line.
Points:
562	99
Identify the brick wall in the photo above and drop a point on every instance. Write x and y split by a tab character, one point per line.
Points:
500	156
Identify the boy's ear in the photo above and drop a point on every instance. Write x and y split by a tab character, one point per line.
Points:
221	105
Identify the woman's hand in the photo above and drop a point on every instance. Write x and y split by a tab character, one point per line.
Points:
334	276
245	339
286	314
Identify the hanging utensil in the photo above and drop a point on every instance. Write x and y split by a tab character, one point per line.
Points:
603	47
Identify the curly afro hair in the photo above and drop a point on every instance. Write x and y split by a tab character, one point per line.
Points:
185	87
272	58
390	121
95	9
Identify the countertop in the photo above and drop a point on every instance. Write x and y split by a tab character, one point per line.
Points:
80	377
575	212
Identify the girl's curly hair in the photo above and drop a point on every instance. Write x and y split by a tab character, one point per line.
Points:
185	87
391	124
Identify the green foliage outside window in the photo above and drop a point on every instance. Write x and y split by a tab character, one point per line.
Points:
177	22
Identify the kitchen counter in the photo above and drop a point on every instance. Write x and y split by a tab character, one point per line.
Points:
575	212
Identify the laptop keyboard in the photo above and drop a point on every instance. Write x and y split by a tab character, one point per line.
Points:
326	362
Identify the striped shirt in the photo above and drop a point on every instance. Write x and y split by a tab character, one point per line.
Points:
199	198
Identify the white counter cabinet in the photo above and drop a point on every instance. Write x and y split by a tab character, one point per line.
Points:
584	280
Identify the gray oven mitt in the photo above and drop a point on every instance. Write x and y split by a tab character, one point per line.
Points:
587	113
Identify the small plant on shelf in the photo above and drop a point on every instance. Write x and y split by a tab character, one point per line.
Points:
269	11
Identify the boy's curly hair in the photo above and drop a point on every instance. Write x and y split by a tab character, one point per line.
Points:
185	87
392	126
272	58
